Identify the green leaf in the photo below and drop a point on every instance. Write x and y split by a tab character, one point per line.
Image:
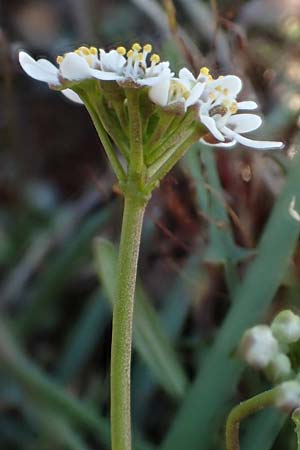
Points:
149	337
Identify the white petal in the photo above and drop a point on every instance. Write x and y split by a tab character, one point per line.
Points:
243	123
71	95
39	70
159	93
75	68
186	74
210	123
195	94
263	145
248	104
105	76
230	82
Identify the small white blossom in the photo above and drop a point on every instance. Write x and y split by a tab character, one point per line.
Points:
286	327
218	108
280	368
89	63
288	396
258	346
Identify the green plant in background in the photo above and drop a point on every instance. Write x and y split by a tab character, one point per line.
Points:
146	119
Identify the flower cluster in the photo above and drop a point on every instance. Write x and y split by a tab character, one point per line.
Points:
275	350
214	100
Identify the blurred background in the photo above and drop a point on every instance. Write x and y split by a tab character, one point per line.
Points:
201	234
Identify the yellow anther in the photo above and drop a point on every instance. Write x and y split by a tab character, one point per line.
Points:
121	50
218	88
204	71
140	57
226	103
59	59
129	53
136	47
233	108
93	51
212	96
155	58
84	50
210	78
147	48
220	77
226	91
78	52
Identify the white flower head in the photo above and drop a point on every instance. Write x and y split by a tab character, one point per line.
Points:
288	396
218	112
286	327
258	346
136	66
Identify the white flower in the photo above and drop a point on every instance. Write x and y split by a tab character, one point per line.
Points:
134	66
258	346
218	108
171	91
87	63
286	327
288	396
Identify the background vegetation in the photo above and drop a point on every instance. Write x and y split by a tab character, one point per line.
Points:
220	251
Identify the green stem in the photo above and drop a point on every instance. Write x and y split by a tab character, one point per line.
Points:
243	410
104	138
135	131
161	167
122	321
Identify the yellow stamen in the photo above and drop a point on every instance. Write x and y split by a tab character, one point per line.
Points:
147	48
140	57
59	59
136	47
84	50
233	107
204	71
210	78
226	103
212	96
218	88
129	53
226	91
121	50
155	58
78	52
220	77
93	51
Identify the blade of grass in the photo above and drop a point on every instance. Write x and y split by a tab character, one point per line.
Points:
41	390
59	269
83	338
149	337
197	416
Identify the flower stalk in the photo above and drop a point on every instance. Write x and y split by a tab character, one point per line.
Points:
134	208
242	411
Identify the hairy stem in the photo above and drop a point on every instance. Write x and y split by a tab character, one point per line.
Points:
243	410
122	321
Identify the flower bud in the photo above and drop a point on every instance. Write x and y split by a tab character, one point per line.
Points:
286	327
288	396
258	346
279	369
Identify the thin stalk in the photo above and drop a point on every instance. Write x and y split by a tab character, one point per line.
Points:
135	131
114	129
157	171
243	410
161	128
122	321
105	140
